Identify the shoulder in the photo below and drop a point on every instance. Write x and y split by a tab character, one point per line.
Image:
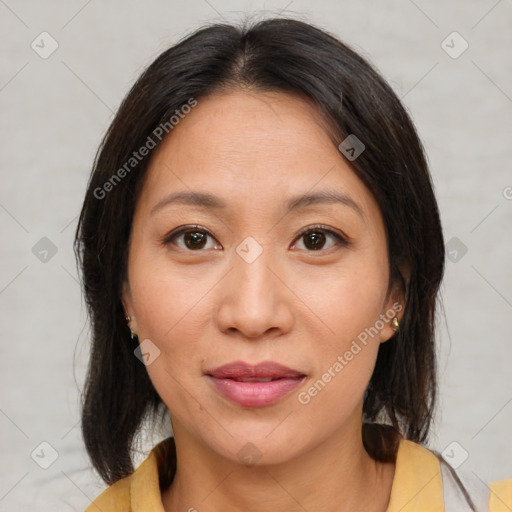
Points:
139	488
424	481
417	484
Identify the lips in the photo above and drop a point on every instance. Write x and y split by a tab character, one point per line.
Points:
254	385
244	372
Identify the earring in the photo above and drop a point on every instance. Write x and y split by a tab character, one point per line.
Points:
395	324
132	334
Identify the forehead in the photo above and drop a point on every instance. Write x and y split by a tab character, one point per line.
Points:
236	126
255	146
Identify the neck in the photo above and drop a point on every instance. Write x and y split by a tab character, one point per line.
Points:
334	476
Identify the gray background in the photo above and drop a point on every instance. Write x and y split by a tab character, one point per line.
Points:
54	112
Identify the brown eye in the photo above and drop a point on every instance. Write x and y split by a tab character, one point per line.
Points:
316	238
190	239
195	239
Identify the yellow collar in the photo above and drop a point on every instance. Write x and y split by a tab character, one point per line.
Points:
417	484
145	491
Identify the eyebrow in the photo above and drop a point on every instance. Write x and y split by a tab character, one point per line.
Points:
207	200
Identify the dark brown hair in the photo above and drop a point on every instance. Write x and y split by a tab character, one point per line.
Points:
271	55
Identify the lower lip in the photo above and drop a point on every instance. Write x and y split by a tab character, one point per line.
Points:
255	394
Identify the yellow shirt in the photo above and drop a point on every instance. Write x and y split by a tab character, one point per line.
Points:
417	486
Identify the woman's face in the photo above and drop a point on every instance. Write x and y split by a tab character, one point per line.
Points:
232	278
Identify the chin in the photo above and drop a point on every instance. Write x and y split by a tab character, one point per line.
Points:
260	449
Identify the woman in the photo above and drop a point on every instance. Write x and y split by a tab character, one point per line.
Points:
261	253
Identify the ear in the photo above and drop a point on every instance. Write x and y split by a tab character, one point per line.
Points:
126	299
394	308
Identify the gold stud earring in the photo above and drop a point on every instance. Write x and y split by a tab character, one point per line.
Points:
395	324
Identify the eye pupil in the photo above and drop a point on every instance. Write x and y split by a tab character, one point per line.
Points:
317	240
195	238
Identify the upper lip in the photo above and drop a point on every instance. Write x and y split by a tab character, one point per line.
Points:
265	369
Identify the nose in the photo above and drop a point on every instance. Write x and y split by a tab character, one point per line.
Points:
255	300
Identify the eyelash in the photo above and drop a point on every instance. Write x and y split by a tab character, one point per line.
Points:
318	228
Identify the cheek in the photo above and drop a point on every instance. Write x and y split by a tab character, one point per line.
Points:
173	305
168	308
344	359
165	297
347	300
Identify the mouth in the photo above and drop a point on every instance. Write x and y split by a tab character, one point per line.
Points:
254	385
